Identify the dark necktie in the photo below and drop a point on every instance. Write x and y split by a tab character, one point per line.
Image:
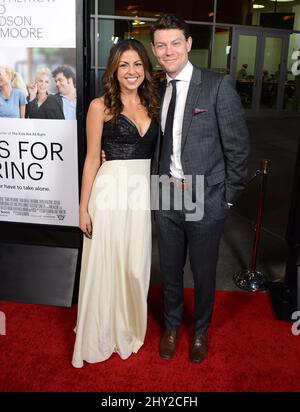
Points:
167	144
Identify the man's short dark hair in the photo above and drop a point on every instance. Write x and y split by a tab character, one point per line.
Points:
167	22
67	71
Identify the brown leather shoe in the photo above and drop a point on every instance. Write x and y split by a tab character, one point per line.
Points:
199	348
167	346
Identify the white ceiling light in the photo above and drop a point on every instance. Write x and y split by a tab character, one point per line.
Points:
283	1
258	6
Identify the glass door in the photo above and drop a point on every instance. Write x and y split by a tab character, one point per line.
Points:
246	68
258	63
273	76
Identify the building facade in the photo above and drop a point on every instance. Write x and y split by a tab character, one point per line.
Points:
257	42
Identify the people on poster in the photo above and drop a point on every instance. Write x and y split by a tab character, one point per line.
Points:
12	93
42	104
115	272
65	81
40	148
35	101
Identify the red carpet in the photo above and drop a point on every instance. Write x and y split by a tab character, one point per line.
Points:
249	351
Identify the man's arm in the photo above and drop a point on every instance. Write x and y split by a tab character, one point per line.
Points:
234	136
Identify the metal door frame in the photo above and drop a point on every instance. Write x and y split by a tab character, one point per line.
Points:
261	34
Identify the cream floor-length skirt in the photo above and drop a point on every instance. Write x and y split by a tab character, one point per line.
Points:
115	271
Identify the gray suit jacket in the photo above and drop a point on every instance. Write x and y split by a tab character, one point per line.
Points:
215	140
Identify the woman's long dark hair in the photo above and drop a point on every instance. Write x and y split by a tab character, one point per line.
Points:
147	90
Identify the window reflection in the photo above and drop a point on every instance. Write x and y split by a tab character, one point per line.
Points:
191	10
91	7
271	72
234	12
292	82
246	68
199	55
228	11
222	48
206	53
280	15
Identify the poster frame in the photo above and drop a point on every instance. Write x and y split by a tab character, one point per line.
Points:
53	235
41	263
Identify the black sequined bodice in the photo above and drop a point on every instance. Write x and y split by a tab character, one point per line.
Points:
121	139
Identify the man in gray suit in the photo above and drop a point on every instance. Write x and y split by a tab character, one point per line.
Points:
208	137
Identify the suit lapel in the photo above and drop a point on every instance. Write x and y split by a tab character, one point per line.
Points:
191	100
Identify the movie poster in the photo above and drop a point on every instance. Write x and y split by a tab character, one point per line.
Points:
38	126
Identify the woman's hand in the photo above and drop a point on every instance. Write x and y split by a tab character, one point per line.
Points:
85	223
32	89
103	157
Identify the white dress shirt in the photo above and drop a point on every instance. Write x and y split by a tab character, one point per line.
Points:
182	87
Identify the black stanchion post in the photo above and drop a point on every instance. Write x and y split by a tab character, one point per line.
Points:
251	279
